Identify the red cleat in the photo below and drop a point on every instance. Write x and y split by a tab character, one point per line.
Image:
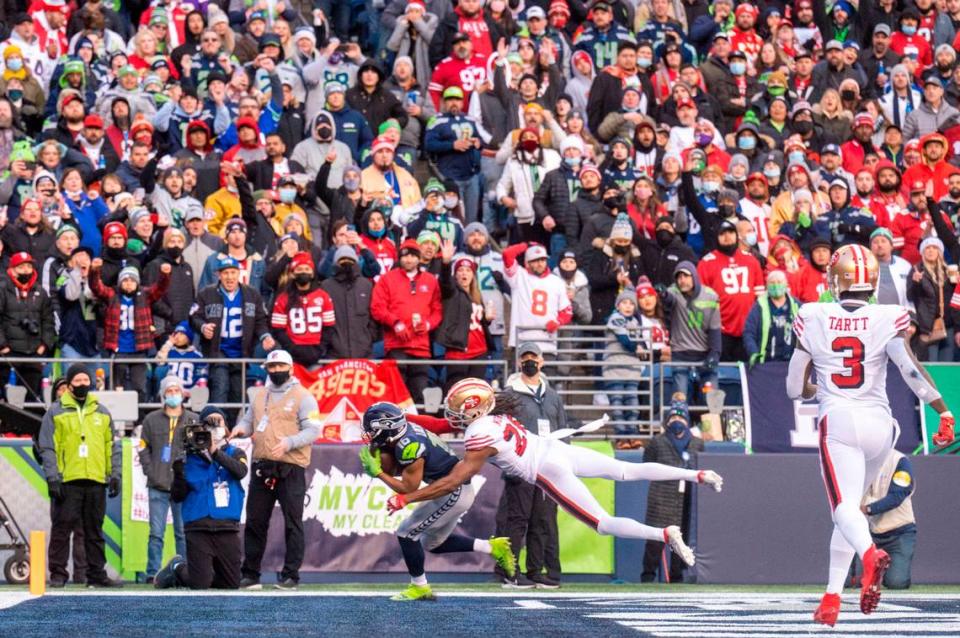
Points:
828	610
875	564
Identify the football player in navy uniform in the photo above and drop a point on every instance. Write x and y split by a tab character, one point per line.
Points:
400	449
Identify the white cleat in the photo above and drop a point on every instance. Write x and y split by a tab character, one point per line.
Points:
712	479
673	537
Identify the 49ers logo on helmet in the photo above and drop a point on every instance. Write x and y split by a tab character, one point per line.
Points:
471	402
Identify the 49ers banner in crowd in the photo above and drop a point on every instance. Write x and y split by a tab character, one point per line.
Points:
345	389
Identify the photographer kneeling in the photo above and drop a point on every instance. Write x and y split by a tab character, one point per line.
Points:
207	481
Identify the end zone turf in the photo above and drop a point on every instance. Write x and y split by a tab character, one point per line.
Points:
80	613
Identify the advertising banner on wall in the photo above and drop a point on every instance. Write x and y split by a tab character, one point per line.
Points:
345	389
775	423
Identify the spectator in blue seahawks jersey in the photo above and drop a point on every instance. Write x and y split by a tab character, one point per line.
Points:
179	357
601	36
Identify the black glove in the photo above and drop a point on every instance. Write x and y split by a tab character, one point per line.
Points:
178	467
711	363
55	488
113	487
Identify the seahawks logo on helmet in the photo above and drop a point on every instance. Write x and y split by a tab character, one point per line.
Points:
383	423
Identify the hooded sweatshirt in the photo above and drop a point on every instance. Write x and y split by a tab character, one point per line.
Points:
694	316
311	151
578	87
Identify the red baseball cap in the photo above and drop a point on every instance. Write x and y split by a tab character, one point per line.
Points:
688	103
21	258
918	186
93	121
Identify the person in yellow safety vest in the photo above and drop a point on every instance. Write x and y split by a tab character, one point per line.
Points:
768	332
888	505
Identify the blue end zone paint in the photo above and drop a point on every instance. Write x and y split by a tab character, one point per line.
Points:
744	615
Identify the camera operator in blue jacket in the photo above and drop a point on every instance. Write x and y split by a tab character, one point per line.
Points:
206	480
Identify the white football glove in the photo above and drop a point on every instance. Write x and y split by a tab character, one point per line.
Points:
711	478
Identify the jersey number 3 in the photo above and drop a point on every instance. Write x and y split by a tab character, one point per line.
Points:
853	354
516	433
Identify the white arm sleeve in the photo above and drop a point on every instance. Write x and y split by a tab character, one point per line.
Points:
796	372
897	351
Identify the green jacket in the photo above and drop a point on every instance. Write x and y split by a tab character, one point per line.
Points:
66	429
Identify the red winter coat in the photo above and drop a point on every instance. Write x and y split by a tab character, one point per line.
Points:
395	300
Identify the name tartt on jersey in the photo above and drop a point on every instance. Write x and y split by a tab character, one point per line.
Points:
849	324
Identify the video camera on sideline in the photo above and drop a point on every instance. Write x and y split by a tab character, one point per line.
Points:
197	436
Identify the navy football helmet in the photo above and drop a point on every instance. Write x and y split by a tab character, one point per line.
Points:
383	423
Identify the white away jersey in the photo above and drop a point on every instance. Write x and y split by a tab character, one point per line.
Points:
519	452
534	302
848	348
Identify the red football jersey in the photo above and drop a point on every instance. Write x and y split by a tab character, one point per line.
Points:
737	280
476	338
452	71
305	321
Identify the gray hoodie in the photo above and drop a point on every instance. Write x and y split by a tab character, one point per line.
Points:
311	152
694	318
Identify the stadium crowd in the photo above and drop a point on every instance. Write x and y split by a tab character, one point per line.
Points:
413	180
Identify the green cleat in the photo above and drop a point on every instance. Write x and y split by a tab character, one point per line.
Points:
503	554
415	592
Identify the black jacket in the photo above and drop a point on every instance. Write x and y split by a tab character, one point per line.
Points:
600	267
355	330
659	263
553	197
378	106
25	323
336	199
16	239
454	330
209	309
261	237
154	436
606	96
665	501
174	306
583	208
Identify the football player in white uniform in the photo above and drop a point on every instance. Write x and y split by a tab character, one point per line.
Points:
548	463
847	345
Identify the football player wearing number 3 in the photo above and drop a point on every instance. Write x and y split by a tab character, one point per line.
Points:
847	345
549	463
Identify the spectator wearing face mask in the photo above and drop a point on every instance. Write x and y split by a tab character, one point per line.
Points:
346	235
323	146
661	256
524	175
611	266
768	332
436	217
374	231
26	320
346	201
174	306
737	279
355	331
161	443
303	313
676	446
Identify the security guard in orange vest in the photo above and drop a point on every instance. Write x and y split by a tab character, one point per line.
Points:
283	419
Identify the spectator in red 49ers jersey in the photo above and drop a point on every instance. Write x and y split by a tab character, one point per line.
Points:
301	312
406	302
375	235
744	35
467	18
736	277
463	68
